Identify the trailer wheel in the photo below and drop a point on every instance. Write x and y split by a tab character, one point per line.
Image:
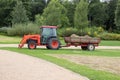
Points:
32	44
54	44
91	47
84	47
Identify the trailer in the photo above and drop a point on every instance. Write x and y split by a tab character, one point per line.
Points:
86	42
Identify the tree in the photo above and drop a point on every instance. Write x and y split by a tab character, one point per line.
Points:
75	1
94	1
97	13
70	6
117	16
36	7
110	25
19	14
81	13
6	6
55	14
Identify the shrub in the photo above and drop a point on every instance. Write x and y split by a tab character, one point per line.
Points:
3	30
67	32
93	32
110	36
22	29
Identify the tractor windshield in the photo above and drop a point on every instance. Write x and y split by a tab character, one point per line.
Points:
49	32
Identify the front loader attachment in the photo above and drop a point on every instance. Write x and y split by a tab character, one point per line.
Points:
29	37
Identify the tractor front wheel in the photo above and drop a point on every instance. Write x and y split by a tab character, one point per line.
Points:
54	43
32	44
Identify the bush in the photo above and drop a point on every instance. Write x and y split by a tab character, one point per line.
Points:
23	29
3	30
110	36
93	32
39	19
67	32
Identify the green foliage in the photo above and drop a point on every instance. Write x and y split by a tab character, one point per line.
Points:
23	29
94	1
110	36
93	32
80	18
39	20
76	1
3	30
117	16
6	7
70	11
55	14
110	26
19	14
97	13
34	7
63	13
67	32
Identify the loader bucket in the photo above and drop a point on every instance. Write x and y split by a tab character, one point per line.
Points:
27	37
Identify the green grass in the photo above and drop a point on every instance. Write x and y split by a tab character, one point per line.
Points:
110	43
9	40
83	70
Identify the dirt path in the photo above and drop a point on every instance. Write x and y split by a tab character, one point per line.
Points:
72	47
14	66
110	64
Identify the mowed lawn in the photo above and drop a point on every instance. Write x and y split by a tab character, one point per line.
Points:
92	74
9	40
109	43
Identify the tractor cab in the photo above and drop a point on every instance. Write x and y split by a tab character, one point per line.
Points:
48	32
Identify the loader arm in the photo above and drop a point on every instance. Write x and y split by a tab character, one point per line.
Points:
28	37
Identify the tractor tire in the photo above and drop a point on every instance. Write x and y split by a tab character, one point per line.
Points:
32	44
91	47
47	47
53	44
84	47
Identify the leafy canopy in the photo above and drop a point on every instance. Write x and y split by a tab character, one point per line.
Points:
55	14
81	12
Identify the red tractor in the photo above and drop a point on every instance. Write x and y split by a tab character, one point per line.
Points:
47	38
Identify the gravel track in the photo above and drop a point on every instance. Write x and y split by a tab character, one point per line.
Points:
14	66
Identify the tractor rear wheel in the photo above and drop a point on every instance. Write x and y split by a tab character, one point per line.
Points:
47	47
32	44
54	44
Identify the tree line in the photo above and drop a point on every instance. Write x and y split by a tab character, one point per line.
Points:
63	13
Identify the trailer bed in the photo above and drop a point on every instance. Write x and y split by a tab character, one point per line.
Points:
83	41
